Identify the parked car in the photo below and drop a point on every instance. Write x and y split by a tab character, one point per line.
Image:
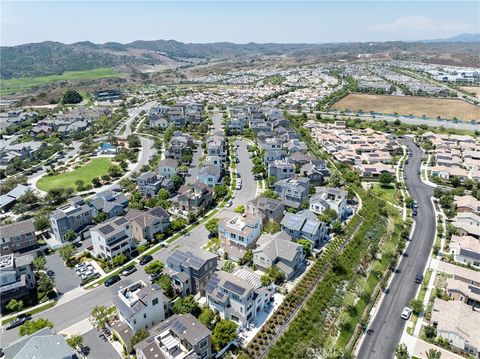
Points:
419	278
238	186
406	312
129	270
229	203
17	322
153	277
88	274
145	259
112	280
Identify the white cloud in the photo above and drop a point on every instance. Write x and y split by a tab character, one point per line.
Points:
421	23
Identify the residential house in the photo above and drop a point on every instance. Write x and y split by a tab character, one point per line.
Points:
17	280
237	297
180	336
112	238
281	169
267	208
458	323
150	183
316	171
209	175
467	224
76	215
43	344
465	249
216	146
9	199
305	224
294	145
140	305
273	155
459	290
146	224
281	252
190	271
467	203
327	197
167	168
194	198
293	191
17	237
241	232
113	204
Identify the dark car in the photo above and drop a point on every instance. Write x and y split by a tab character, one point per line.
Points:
419	278
414	212
112	280
145	259
129	270
50	273
17	322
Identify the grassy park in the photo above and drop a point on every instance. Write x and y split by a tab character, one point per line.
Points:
20	84
94	168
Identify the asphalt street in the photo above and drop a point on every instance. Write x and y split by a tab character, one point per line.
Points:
244	168
387	327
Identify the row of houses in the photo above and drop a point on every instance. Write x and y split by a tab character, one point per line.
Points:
177	115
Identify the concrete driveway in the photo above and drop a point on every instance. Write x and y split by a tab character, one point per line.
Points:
65	278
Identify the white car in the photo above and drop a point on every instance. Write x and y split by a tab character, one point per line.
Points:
88	274
80	265
229	203
406	313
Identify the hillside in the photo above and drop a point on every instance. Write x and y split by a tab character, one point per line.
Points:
54	58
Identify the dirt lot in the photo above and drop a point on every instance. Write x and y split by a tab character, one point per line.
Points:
472	89
406	105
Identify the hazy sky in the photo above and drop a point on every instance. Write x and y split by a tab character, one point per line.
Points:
269	21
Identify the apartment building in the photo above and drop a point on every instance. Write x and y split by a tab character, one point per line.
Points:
76	215
17	237
112	237
17	280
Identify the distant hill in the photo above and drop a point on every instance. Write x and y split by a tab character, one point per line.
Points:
475	38
47	58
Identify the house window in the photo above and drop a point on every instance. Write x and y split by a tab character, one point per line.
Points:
155	301
144	315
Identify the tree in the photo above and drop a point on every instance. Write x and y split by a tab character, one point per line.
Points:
207	317
41	223
223	333
336	179
430	332
240	209
66	252
417	306
163	194
178	224
75	341
220	191
247	258
212	226
100	316
14	305
34	326
70	235
269	194
115	171
328	215
166	284
100	217
401	352
71	97
45	283
133	141
272	227
307	246
96	182
433	354
154	267
140	335
228	266
386	179
186	305
119	259
39	263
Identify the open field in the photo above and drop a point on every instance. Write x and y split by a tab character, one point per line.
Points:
95	168
20	84
406	105
472	89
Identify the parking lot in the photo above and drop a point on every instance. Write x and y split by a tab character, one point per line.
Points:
97	347
65	278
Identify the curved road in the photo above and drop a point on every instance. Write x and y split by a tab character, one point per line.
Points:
387	327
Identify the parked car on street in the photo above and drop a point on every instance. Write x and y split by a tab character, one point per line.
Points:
145	259
406	312
129	270
419	278
112	280
17	322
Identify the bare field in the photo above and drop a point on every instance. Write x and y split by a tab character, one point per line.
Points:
406	105
472	89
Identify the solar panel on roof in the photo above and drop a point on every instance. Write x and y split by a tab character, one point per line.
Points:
121	220
106	229
234	287
179	327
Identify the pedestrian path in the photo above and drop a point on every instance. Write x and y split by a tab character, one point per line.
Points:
81	327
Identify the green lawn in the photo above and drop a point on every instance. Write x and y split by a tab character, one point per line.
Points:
20	84
387	194
95	168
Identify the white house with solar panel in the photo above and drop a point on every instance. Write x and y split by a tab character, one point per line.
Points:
237	296
112	237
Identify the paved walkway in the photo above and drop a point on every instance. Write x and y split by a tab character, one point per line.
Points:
81	327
